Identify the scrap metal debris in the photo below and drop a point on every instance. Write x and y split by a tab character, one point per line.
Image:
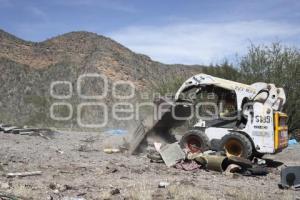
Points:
216	163
244	163
160	127
42	132
111	150
290	178
163	184
22	174
172	154
154	156
233	168
73	198
137	137
256	171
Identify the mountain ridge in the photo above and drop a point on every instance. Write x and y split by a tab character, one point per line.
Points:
29	68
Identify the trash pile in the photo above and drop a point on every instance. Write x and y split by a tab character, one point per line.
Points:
11	129
174	156
292	142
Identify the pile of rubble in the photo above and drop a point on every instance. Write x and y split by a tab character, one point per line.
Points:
174	156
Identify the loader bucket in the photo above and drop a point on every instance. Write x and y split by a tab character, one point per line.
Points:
174	115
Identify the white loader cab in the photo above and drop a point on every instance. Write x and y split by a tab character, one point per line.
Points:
243	120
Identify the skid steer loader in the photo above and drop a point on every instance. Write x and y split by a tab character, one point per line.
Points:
242	120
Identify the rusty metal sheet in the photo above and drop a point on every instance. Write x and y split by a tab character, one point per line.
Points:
172	154
290	177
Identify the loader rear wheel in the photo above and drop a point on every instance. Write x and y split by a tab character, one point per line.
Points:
236	144
195	141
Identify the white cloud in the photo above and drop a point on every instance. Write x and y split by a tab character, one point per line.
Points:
117	5
36	11
203	43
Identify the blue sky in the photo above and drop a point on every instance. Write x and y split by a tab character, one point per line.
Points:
188	32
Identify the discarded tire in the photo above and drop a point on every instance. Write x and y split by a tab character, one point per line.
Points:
236	144
195	141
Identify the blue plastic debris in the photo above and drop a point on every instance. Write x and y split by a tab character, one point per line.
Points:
292	142
116	132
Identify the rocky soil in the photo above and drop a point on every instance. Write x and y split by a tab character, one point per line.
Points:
74	166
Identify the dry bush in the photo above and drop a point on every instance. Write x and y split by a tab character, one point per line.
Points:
183	192
247	194
140	191
22	191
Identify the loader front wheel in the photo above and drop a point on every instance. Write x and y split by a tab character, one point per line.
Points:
195	141
236	144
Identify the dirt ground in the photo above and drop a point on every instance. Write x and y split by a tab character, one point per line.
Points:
74	167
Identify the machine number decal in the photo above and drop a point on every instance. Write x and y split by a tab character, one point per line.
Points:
261	127
263	119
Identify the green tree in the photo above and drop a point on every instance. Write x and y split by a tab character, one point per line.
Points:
279	65
224	70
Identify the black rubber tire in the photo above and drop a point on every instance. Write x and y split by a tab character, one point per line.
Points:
247	150
197	136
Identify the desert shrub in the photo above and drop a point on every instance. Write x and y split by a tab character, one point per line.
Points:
279	65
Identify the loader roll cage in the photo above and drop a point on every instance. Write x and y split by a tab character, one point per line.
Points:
216	105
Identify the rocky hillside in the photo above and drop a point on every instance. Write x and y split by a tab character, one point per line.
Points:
29	68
